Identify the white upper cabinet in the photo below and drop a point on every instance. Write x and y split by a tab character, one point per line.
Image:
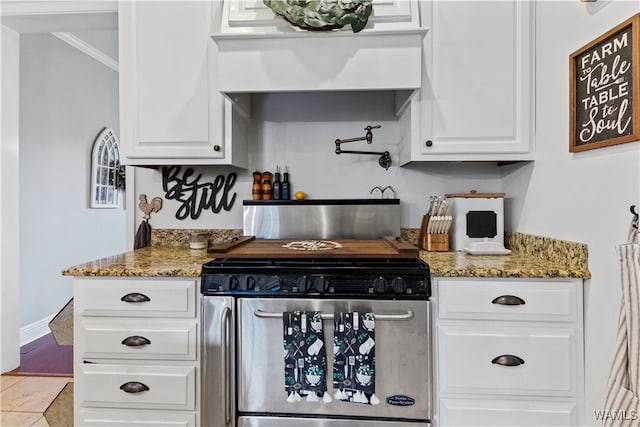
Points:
462	73
171	111
476	101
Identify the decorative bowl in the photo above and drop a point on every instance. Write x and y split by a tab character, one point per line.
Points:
323	15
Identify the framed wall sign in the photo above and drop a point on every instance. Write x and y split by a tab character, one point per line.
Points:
604	92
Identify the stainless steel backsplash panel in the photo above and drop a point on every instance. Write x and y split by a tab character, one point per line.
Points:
320	219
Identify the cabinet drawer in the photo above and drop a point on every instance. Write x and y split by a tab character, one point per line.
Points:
165	387
135	297
127	418
506	413
467	359
508	300
138	338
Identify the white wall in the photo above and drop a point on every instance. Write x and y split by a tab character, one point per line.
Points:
299	130
9	238
583	197
66	98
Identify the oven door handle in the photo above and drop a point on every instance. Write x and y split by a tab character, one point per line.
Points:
328	316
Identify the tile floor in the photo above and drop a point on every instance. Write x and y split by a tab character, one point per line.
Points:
24	399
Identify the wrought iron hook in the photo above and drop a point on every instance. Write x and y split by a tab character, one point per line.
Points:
636	216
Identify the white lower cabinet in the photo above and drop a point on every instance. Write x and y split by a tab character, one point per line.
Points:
132	418
136	352
127	298
135	386
506	413
524	360
173	339
509	352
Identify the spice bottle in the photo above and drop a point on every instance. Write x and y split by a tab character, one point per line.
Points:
267	187
256	187
277	186
286	189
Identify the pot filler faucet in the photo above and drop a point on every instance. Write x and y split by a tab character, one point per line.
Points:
385	158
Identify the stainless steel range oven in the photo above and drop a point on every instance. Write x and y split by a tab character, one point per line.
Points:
359	354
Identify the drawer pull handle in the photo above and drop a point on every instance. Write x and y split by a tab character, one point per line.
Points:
134	387
135	297
508	300
508	360
135	341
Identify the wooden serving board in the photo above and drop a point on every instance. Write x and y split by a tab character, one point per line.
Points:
388	247
227	246
475	195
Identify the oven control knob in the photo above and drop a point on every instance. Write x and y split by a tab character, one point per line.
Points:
247	283
303	284
399	285
380	285
273	284
229	283
321	284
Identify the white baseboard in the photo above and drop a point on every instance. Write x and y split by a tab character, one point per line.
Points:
35	330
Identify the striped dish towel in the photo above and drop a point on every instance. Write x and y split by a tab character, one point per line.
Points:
623	395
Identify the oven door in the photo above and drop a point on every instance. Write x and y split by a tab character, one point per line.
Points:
402	358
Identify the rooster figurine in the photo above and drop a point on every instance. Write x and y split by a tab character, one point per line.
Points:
143	235
146	207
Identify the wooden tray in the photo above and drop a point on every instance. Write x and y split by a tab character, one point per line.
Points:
248	247
225	247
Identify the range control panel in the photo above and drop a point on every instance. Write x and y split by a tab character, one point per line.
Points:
314	285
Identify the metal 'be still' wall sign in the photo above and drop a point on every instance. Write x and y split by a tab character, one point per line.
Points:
195	196
605	89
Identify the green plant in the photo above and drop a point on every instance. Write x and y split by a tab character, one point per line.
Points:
323	14
121	178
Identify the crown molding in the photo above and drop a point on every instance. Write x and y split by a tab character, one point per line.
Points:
88	49
54	7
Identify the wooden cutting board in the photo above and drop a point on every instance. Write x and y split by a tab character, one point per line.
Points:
387	247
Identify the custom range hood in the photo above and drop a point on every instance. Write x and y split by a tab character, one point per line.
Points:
261	52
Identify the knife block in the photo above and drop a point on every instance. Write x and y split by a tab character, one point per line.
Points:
422	237
438	242
432	242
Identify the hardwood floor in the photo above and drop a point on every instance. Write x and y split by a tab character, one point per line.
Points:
45	357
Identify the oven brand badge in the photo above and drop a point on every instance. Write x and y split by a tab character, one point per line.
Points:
400	400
